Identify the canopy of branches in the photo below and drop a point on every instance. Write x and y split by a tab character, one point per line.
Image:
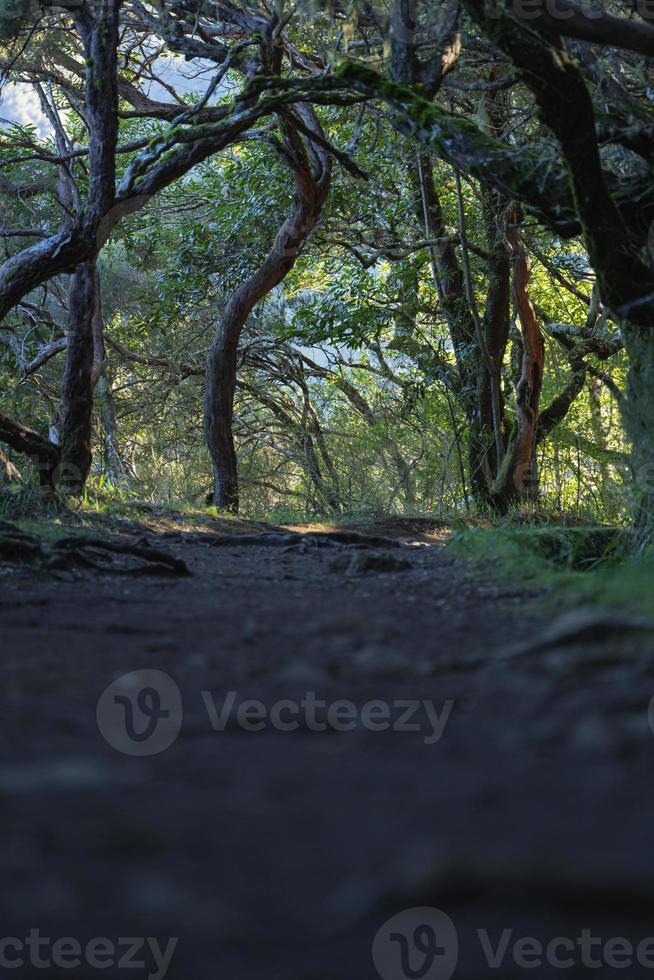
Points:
332	257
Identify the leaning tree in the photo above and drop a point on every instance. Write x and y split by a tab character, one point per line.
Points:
98	57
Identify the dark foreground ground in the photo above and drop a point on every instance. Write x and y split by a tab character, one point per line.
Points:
278	855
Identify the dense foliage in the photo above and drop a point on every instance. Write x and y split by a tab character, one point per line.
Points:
391	362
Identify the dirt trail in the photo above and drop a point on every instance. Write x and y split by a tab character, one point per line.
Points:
526	804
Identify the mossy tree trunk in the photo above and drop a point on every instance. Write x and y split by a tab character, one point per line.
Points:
638	417
616	240
77	390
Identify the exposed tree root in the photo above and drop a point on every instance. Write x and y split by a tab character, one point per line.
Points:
86	552
294	539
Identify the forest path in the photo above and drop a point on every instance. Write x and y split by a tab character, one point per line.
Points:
521	798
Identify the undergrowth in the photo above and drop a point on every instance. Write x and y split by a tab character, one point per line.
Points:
569	560
572	565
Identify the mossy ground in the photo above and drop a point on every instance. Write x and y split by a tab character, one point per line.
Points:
571	561
592	565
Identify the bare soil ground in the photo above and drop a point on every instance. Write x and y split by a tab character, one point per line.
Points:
279	854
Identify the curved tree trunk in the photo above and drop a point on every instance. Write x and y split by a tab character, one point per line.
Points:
518	478
311	168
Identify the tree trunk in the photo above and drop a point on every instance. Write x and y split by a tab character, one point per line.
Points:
518	476
638	417
219	411
487	439
114	466
472	377
43	454
533	363
311	166
484	460
595	387
77	392
445	268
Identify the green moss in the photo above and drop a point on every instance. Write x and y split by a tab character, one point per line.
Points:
503	479
541	549
462	141
572	565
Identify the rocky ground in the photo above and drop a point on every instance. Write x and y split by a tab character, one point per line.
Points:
516	796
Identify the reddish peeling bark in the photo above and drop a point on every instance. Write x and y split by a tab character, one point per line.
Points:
518	478
528	391
311	168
